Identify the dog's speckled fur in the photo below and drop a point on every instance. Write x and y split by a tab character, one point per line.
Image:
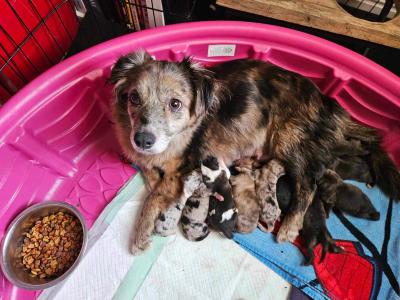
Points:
230	111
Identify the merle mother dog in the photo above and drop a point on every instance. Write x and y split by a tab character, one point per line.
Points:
170	115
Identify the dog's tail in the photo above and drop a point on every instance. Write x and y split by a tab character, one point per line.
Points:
384	172
382	168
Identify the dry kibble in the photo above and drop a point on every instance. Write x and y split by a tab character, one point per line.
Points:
51	245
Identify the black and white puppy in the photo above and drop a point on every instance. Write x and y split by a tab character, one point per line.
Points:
222	214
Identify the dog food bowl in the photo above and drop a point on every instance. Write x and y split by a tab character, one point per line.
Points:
11	263
56	134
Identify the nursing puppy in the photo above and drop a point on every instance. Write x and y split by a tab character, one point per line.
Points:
265	179
195	212
348	198
332	192
168	115
254	193
191	209
355	168
245	197
206	199
222	214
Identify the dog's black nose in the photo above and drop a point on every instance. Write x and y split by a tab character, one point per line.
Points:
144	139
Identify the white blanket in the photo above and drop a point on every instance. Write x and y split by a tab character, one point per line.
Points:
174	268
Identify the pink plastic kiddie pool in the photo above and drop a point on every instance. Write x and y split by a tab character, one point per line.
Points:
56	134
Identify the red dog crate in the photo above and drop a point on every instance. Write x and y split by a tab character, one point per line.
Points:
34	35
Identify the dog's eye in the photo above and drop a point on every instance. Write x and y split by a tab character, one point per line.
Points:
134	98
175	104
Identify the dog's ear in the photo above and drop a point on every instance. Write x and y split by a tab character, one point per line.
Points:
125	64
203	84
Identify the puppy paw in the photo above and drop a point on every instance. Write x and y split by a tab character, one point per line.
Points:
269	214
267	226
287	233
192	182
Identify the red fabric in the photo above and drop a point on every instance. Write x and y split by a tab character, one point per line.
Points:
348	275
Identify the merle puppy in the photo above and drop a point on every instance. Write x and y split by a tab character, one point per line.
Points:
195	213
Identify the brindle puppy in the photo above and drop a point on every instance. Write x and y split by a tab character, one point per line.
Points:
169	115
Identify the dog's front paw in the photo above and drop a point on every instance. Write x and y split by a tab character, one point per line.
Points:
142	239
268	216
140	245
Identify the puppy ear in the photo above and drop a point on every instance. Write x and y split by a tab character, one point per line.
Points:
125	64
203	84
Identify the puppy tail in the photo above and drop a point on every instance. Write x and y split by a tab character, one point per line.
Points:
384	171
